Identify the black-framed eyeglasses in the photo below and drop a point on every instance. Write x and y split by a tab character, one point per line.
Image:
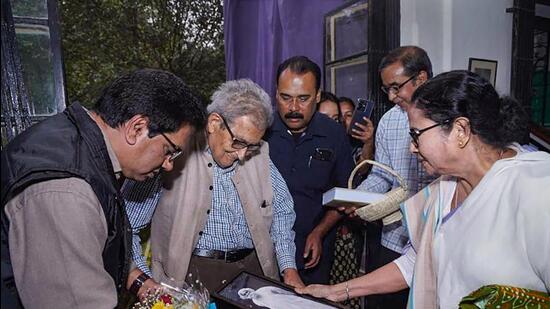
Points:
395	88
239	144
415	133
177	151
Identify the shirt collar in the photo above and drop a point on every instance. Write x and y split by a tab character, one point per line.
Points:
112	156
222	170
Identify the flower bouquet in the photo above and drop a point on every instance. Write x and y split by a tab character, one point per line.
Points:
170	297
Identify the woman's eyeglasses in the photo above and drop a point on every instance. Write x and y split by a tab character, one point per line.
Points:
415	133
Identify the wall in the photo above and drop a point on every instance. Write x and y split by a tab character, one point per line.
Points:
451	31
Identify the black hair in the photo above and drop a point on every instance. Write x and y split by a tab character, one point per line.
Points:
497	121
413	59
346	99
325	95
158	95
329	96
301	65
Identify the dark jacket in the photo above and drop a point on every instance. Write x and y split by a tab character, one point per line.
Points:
69	144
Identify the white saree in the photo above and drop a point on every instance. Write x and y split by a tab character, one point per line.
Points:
499	235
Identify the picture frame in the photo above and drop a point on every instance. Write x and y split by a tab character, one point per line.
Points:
485	68
247	290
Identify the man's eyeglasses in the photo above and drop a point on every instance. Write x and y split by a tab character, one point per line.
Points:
415	133
177	151
395	88
237	143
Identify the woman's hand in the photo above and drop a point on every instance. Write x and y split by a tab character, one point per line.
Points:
318	290
365	132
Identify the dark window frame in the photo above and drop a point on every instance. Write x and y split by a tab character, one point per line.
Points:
383	34
521	81
13	68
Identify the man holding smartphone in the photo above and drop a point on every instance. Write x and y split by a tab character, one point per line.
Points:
402	71
313	154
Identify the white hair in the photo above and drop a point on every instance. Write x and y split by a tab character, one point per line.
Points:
242	97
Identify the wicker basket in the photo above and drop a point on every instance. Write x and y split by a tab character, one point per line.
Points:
388	208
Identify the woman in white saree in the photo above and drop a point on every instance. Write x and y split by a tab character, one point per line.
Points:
485	221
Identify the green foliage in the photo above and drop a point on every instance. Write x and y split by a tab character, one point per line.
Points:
103	39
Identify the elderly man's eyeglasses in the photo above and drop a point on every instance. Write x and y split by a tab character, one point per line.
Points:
173	155
415	133
237	143
395	88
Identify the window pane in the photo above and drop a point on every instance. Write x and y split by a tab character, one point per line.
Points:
346	32
350	78
30	8
33	43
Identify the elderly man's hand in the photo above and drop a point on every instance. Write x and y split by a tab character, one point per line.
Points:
292	278
318	290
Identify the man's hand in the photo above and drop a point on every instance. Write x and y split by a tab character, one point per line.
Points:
318	290
350	211
148	286
313	249
292	278
314	241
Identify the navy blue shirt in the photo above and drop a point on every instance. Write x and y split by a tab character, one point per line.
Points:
311	164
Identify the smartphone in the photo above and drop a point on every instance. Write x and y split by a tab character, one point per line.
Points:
363	108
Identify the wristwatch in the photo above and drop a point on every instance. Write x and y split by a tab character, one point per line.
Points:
136	285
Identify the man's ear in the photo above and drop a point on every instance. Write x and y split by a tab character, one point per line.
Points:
136	128
422	77
318	97
214	123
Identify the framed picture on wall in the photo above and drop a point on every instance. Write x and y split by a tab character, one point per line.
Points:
484	68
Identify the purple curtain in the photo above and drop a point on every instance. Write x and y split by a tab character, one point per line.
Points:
260	34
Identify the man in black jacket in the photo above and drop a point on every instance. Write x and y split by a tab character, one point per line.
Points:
64	232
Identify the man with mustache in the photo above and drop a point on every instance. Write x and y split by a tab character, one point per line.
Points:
224	208
64	229
313	154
